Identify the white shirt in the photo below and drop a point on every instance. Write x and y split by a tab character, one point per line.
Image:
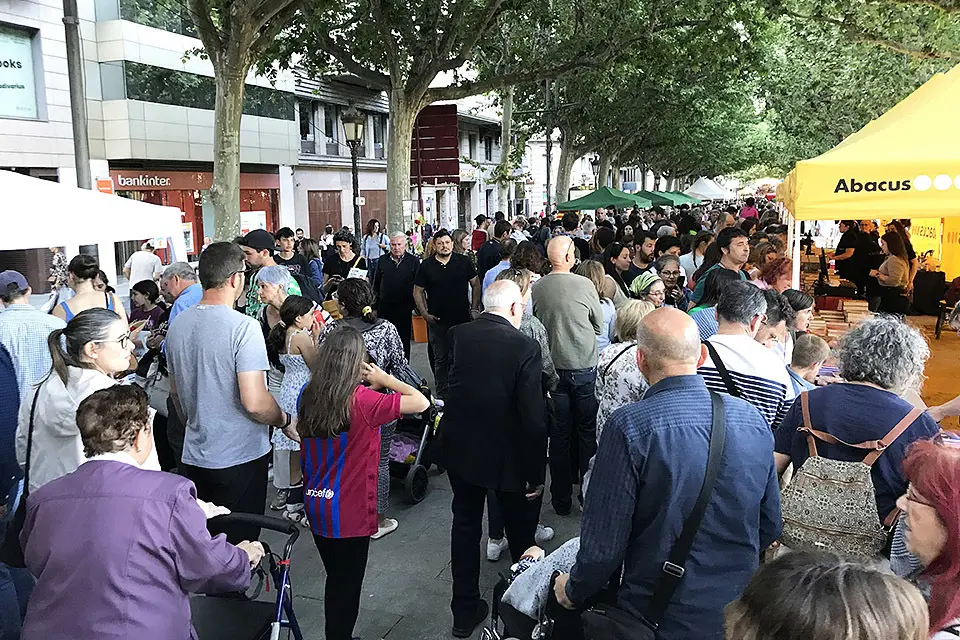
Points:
57	448
143	265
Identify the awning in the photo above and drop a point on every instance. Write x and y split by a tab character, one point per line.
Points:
605	197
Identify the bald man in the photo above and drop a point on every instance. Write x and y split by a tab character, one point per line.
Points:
648	473
568	306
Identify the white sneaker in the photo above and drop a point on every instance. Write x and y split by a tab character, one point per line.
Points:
543	534
495	548
389	526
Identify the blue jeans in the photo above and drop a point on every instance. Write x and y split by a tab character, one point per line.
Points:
573	442
16	585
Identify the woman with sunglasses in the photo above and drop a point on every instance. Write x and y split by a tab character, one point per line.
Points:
86	355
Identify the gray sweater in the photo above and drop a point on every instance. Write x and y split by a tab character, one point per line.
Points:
569	307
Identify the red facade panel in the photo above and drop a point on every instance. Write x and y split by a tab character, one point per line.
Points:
435	155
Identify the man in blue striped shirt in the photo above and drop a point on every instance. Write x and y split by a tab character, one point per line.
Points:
647	476
758	374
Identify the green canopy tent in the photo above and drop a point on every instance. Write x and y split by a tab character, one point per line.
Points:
605	197
656	198
686	199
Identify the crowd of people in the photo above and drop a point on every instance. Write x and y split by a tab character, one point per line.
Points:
652	370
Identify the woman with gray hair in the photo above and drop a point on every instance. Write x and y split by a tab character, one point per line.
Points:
880	359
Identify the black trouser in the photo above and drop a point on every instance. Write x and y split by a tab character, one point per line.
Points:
520	521
162	442
241	488
345	561
441	355
402	318
575	434
175	433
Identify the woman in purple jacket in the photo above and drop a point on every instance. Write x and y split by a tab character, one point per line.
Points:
116	548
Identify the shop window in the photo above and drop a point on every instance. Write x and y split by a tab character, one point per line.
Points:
21	65
167	86
472	146
488	149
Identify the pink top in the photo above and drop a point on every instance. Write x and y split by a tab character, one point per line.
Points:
749	212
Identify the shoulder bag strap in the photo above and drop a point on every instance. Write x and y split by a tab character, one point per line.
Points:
891	436
808	424
26	466
672	570
615	358
722	370
356	262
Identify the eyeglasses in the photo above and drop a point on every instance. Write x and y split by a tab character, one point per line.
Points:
912	497
669	274
124	341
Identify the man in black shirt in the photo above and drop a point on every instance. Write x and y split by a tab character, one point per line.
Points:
644	248
288	256
571	224
440	292
393	283
489	254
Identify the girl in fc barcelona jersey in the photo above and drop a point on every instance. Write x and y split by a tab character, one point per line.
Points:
341	410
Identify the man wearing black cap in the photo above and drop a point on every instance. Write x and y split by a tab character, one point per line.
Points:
258	247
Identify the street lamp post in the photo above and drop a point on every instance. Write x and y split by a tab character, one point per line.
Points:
353	123
595	165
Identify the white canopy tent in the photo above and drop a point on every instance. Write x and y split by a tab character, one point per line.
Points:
707	189
49	214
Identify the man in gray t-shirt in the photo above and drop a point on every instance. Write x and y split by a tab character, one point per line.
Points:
217	361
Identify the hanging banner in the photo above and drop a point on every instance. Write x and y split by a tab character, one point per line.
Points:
925	234
950	262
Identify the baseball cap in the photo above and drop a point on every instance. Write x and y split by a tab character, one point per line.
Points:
11	280
259	239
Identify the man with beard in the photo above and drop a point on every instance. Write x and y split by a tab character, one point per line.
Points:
440	293
734	252
645	243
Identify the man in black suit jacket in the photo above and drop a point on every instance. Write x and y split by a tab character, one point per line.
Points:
493	437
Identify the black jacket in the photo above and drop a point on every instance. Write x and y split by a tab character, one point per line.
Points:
488	256
494	430
394	282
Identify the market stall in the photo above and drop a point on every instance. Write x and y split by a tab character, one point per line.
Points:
707	189
42	213
904	164
605	197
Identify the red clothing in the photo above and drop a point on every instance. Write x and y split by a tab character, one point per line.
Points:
340	474
477	239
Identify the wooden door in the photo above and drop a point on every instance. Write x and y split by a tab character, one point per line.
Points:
323	209
375	207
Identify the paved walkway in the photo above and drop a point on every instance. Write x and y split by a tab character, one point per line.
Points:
406	594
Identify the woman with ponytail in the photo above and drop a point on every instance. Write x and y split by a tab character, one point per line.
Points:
356	300
292	347
86	355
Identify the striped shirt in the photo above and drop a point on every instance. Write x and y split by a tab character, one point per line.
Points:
706	320
757	372
340	473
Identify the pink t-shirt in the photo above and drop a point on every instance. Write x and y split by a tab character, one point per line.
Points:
749	212
340	474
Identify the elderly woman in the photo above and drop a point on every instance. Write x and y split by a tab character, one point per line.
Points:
116	548
879	359
776	274
648	286
675	294
619	381
931	525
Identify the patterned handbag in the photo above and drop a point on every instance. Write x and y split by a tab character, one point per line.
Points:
831	505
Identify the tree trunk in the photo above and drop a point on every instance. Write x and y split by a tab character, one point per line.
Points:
225	191
568	157
643	177
603	176
506	145
617	178
670	181
403	115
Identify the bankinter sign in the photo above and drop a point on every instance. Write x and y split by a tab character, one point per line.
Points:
142	181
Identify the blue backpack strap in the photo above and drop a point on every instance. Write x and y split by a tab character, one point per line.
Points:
109	298
68	315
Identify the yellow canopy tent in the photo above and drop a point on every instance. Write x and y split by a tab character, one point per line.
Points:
904	164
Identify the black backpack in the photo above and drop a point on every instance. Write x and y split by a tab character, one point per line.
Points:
308	288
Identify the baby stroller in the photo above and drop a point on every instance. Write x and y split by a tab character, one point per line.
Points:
245	618
418	434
